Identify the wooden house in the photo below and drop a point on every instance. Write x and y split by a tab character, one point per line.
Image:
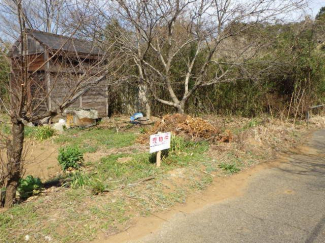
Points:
56	66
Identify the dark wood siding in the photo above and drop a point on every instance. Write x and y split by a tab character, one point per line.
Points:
38	93
96	98
64	84
53	82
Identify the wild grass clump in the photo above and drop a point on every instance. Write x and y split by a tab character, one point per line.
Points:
87	181
229	168
39	133
182	152
44	132
5	129
79	180
178	144
70	158
97	186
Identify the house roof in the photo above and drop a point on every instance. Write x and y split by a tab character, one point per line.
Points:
60	42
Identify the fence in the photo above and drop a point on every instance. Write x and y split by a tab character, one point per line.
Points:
310	109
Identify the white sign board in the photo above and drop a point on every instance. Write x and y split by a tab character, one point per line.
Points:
159	141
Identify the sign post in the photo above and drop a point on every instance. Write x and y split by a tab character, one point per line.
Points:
159	142
158	158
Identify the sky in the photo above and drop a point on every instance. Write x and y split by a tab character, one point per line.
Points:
312	10
315	6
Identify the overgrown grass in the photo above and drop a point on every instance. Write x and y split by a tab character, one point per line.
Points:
104	195
111	174
107	195
91	140
8	220
39	133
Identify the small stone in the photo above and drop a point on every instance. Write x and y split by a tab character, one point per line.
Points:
30	124
48	238
45	120
27	237
59	126
31	198
105	119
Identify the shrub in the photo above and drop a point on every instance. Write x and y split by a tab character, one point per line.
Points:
44	132
29	186
70	157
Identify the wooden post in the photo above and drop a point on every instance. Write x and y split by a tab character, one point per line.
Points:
158	158
80	101
107	101
48	78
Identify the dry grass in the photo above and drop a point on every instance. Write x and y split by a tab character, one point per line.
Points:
194	129
76	215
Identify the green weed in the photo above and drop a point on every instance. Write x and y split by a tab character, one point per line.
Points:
143	130
79	180
178	144
43	133
230	168
97	186
40	133
252	123
183	152
83	180
70	157
5	129
29	186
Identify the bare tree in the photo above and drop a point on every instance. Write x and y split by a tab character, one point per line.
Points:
127	39
192	34
44	15
77	73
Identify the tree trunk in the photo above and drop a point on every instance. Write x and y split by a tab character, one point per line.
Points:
181	108
14	164
148	110
143	99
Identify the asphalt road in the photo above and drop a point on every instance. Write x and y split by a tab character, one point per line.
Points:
282	204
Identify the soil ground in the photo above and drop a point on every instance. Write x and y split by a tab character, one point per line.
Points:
136	192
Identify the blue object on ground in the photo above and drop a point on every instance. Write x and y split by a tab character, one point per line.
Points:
136	116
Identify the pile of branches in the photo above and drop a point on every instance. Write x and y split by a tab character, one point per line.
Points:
190	128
